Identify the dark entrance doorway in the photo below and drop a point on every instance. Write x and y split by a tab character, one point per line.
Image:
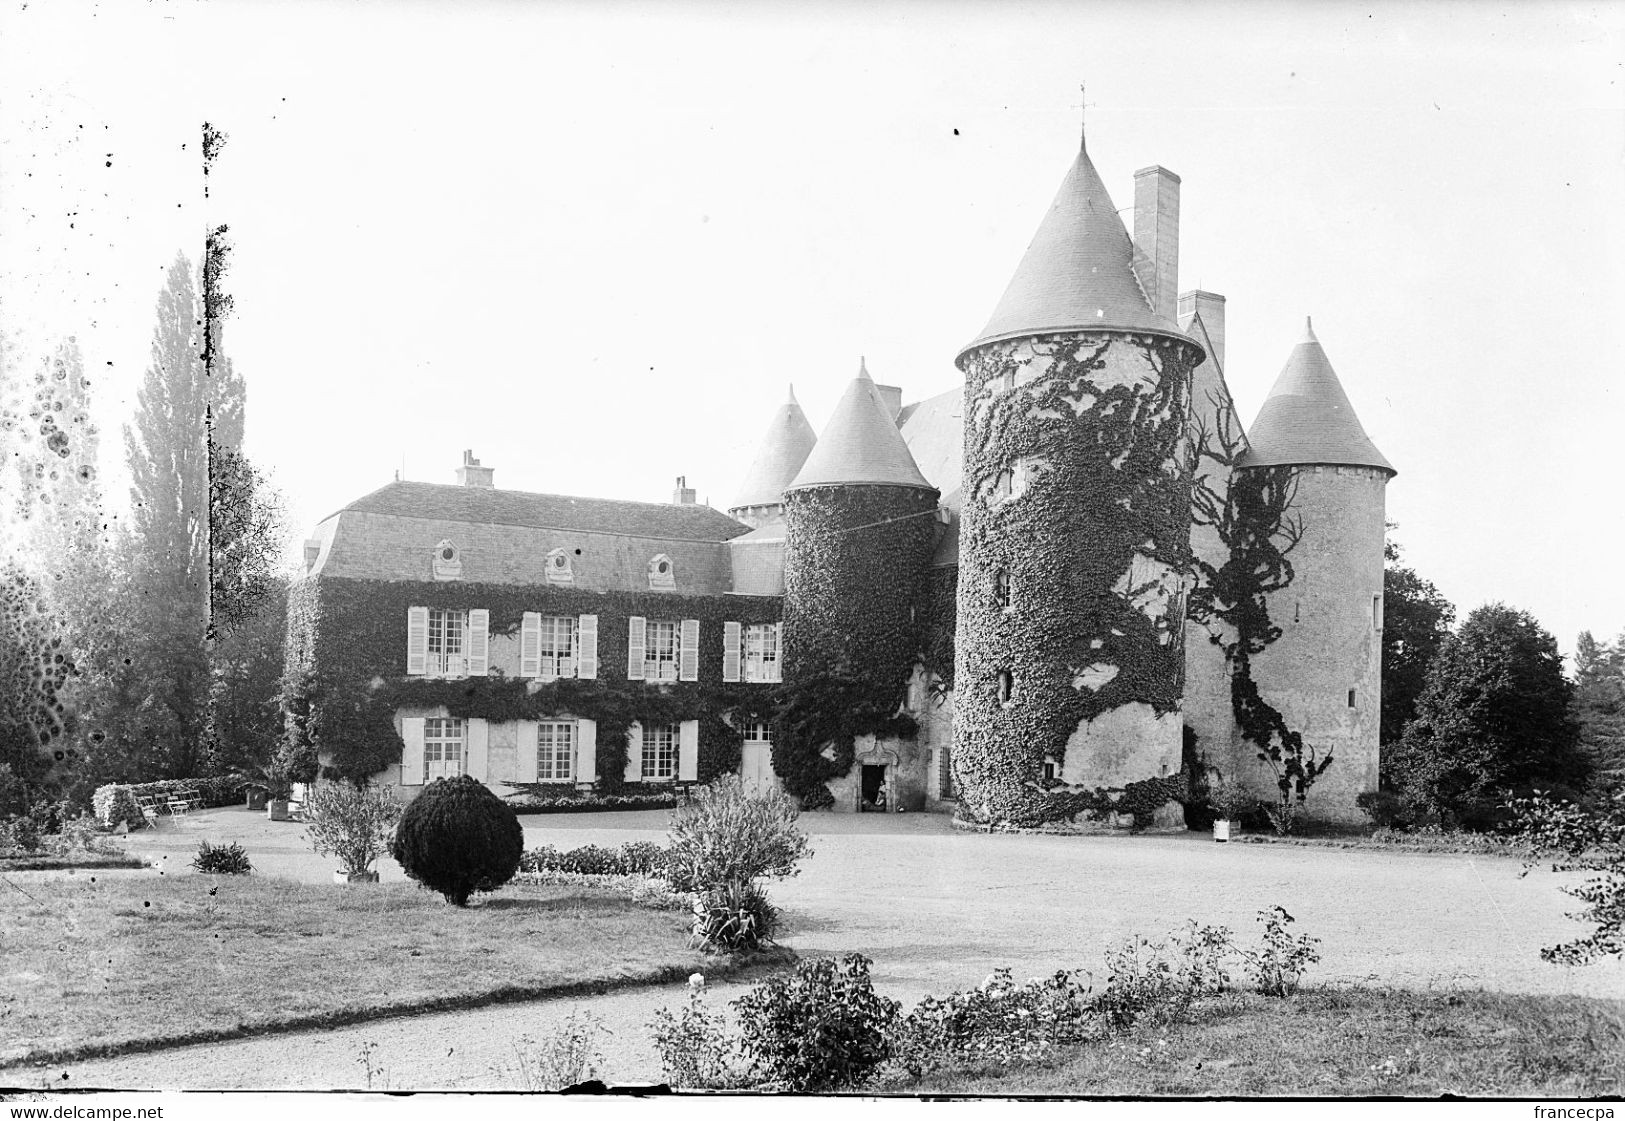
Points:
872	789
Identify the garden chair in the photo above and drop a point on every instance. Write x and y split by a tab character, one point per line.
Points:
149	811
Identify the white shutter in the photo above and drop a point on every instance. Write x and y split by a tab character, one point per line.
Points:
526	771
587	647
586	751
730	651
479	643
417	643
688	751
688	650
634	648
477	748
634	753
530	645
412	755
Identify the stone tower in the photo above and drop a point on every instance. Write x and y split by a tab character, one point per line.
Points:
1324	672
860	527
1075	525
784	448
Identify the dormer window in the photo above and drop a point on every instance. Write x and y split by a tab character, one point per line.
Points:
448	562
662	577
559	570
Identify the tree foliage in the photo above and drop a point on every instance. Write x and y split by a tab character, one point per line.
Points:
1416	621
1493	718
1599	702
457	838
246	531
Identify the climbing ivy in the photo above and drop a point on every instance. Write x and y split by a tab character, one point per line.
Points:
1098	419
855	558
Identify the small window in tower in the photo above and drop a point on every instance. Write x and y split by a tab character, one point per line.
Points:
1376	612
1051	770
1006	686
1001	587
1297	612
1351	698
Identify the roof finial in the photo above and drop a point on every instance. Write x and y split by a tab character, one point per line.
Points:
863	366
1308	331
1083	118
792	398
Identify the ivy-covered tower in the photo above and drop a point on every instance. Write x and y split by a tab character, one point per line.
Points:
1075	525
1323	675
860	528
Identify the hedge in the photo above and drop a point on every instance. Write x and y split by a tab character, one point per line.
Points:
116	802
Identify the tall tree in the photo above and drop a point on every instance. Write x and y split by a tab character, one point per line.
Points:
1599	702
1493	718
1416	620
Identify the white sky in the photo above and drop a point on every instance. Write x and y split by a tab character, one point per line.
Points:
593	242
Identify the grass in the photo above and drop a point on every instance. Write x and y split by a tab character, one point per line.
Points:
1345	1042
99	965
55	862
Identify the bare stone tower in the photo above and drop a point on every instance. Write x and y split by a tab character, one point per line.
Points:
1324	673
1075	525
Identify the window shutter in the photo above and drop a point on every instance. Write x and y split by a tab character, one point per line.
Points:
634	648
688	651
477	748
634	753
417	642
586	751
412	754
587	647
530	645
479	643
776	637
526	771
688	751
730	651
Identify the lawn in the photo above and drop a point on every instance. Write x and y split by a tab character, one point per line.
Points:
97	964
1346	1042
61	862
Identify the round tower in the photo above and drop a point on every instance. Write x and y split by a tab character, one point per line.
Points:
784	448
1075	525
1324	673
859	531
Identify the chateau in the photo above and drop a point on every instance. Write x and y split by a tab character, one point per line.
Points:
1049	592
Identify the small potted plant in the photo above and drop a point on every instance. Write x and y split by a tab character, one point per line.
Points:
256	795
1230	803
353	823
278	788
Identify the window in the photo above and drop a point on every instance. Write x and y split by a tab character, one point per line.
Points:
448	562
1351	698
555	751
1052	770
557	646
661	576
759	731
660	651
1001	587
1007	685
448	656
442	748
1376	612
659	751
762	641
558	569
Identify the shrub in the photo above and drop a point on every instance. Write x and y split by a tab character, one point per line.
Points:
1588	840
1001	1022
1279	965
823	1028
697	1050
564	1057
1158	981
228	860
635	858
457	838
728	836
1389	810
352	823
116	805
734	917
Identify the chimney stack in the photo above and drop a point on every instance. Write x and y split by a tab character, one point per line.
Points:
682	494
1156	237
471	474
892	397
1210	306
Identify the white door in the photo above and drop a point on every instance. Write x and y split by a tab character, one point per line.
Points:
756	768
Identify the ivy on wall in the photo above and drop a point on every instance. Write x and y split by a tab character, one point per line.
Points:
940	605
1109	483
855	559
347	660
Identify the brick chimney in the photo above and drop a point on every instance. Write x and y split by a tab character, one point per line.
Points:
682	494
1210	306
1156	237
892	395
471	474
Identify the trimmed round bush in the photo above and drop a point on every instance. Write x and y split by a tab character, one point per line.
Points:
458	838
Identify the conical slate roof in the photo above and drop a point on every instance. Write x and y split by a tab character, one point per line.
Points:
1078	273
780	455
1307	417
860	445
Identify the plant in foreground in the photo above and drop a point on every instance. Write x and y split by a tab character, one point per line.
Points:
230	860
822	1028
349	822
1587	841
457	838
697	1049
1279	965
566	1056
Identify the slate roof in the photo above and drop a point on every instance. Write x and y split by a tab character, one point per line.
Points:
489	506
1307	417
1078	273
860	444
783	450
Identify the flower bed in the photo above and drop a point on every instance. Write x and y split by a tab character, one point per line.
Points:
591	803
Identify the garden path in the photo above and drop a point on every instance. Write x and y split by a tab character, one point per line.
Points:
936	909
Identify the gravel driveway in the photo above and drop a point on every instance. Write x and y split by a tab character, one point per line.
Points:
936	909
